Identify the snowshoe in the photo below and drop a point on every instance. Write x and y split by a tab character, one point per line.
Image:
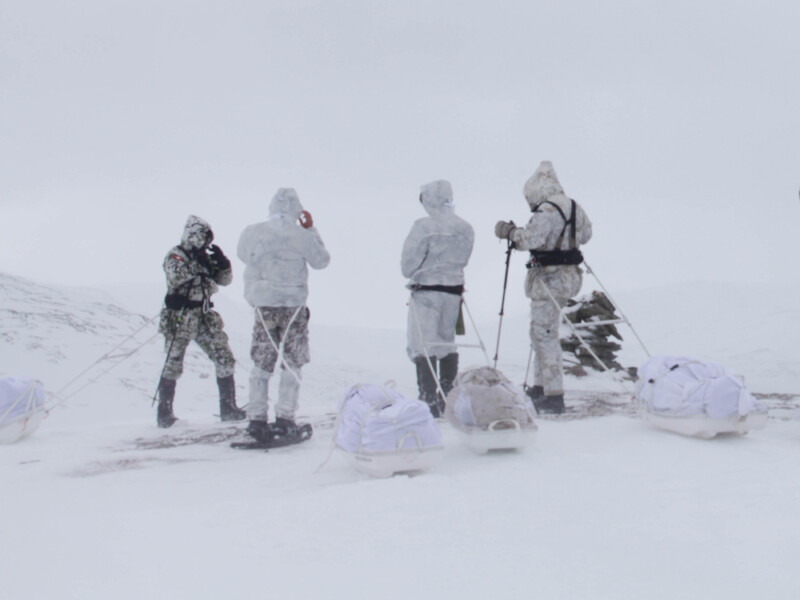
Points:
284	432
260	431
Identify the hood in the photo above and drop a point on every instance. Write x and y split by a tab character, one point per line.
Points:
437	197
197	234
286	203
542	185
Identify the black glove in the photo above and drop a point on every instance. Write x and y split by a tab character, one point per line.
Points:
218	260
201	258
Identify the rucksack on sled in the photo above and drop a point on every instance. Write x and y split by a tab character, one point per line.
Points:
696	398
382	432
489	412
22	408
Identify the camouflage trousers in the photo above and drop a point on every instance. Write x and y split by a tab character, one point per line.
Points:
205	329
548	357
562	283
274	326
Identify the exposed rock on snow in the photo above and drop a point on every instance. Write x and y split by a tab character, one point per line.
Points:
594	307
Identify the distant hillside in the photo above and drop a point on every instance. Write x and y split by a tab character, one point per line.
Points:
54	334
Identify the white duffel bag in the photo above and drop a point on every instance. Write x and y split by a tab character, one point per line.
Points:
383	432
696	397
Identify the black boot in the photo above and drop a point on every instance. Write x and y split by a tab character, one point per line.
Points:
286	428
228	411
551	404
426	382
166	394
535	393
260	431
448	369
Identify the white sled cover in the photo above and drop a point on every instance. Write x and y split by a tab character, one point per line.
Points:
483	396
22	407
385	431
696	397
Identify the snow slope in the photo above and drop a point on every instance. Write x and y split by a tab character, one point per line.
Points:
99	503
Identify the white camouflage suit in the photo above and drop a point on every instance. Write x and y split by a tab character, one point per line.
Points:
276	254
437	249
563	281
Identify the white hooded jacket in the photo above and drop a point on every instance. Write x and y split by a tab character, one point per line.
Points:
546	223
276	254
544	229
438	246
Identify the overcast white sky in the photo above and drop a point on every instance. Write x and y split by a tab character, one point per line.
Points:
674	123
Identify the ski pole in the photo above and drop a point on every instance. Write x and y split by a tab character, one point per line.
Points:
169	353
503	302
177	329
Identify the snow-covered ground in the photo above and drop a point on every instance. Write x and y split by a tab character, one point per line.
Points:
95	507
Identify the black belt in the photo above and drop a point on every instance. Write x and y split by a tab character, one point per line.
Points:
456	290
554	258
177	302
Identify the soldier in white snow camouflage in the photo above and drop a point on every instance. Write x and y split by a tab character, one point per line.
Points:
276	254
557	228
194	269
434	255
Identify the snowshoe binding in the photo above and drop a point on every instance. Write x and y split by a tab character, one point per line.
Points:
283	432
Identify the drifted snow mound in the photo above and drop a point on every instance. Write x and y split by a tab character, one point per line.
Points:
696	397
489	411
22	408
383	432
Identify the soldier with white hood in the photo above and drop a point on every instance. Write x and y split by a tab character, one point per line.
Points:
276	254
194	269
553	235
437	249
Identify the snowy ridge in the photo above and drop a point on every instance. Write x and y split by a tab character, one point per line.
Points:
55	334
45	323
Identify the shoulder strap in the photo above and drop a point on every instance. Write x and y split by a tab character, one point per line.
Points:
563	217
572	223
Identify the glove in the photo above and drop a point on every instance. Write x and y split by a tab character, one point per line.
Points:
306	220
218	258
504	229
201	261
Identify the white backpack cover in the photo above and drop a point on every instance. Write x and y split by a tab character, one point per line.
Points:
489	411
696	397
383	432
22	408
